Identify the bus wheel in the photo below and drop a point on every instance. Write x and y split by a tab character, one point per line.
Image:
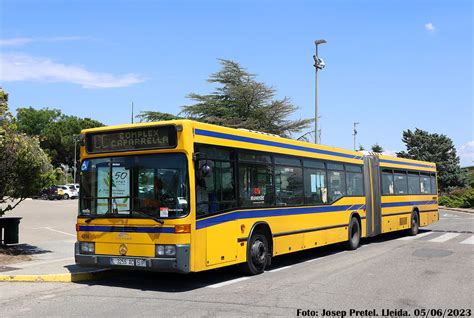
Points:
354	235
257	255
415	224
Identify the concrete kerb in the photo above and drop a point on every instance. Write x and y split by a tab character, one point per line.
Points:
457	209
64	278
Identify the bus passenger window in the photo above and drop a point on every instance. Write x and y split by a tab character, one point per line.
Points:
337	185
400	180
256	185
414	183
316	191
216	191
387	183
425	184
433	185
355	184
289	185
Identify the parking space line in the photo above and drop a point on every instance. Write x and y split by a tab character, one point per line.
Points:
279	269
229	282
444	237
470	240
65	233
409	238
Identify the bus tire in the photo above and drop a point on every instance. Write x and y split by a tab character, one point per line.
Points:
257	255
354	234
415	224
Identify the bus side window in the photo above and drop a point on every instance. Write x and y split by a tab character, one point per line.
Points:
337	185
256	185
387	183
400	181
414	183
425	184
215	192
316	190
433	185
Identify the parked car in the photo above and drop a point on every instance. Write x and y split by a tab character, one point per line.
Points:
74	185
50	193
67	192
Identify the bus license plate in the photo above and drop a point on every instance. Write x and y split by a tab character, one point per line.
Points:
122	261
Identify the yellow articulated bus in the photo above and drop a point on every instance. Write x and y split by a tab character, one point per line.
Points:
183	196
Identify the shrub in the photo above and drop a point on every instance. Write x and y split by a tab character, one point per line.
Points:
458	198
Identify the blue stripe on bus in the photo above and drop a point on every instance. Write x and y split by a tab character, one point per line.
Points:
102	228
249	214
406	163
214	134
411	203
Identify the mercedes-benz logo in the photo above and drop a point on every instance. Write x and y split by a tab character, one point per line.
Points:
123	249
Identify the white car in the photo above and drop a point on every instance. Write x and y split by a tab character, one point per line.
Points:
67	191
75	185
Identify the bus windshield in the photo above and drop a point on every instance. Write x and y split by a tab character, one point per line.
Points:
135	186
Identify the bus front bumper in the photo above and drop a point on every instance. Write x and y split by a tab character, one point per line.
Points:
178	264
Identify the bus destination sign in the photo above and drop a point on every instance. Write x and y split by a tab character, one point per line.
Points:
132	139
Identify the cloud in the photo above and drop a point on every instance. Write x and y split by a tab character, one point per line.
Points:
19	67
430	27
20	41
466	154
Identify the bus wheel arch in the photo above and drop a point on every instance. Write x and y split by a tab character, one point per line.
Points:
265	229
260	237
354	231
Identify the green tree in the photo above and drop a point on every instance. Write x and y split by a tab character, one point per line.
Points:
240	101
377	148
361	148
438	148
57	138
54	130
25	168
5	116
34	122
148	116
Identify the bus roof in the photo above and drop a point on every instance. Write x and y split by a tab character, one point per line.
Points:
232	136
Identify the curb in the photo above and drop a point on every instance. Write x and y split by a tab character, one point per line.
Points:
469	211
58	278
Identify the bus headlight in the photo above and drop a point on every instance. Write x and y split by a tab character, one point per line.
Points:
87	247
165	250
170	250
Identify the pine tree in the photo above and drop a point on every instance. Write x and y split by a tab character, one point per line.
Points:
377	148
438	148
239	101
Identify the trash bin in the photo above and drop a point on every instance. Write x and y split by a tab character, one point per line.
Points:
11	229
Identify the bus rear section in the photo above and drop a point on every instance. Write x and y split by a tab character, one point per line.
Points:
401	194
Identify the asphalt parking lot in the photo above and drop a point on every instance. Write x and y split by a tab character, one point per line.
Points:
393	272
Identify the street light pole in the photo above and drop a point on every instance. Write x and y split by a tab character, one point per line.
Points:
76	139
318	65
355	133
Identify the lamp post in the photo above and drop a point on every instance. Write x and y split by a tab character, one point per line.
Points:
355	133
75	138
318	65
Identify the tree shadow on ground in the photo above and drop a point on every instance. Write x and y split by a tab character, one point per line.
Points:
22	249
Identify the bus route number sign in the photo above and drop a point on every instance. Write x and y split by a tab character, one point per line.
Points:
132	139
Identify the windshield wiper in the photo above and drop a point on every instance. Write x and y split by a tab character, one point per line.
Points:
150	216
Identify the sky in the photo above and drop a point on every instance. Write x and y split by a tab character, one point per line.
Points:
390	65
